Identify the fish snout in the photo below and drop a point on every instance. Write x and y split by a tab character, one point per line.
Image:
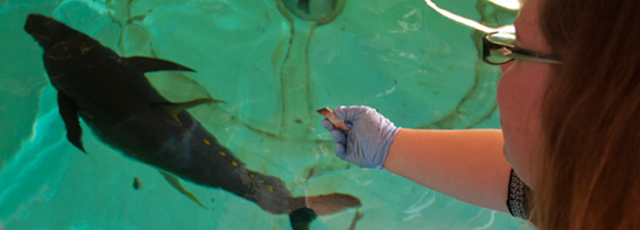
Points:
36	23
45	30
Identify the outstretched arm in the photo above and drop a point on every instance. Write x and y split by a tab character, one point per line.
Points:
465	164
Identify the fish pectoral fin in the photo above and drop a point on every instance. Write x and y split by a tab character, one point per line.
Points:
175	183
146	64
69	112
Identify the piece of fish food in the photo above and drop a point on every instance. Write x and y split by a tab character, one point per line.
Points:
113	96
335	120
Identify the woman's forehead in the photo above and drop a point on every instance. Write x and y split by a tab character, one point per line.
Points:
528	15
527	26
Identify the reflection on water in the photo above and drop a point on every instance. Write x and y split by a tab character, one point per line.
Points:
274	63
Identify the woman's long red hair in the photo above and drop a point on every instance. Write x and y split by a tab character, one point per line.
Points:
589	172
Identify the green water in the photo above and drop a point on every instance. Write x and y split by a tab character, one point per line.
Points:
273	69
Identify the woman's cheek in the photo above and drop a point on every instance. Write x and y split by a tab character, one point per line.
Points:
508	96
519	96
506	66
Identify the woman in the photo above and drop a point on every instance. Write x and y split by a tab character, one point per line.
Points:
569	106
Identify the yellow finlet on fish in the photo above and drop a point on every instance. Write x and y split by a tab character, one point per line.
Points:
175	182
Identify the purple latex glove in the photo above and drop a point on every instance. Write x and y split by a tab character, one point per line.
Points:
367	144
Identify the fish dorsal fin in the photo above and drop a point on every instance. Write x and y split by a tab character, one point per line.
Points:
175	183
146	64
177	108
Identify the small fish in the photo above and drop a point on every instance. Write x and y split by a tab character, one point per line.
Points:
136	183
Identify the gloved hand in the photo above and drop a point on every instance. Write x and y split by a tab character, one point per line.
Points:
367	143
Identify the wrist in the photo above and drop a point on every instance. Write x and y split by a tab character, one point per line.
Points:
387	147
393	158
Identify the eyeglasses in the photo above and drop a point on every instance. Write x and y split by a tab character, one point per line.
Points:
498	48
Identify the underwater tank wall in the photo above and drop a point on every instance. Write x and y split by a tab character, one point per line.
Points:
273	62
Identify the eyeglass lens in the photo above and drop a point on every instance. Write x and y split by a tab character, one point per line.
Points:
499	45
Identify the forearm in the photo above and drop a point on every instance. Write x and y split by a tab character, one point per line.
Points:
465	164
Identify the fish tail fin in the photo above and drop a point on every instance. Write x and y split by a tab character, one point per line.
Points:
332	203
301	218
